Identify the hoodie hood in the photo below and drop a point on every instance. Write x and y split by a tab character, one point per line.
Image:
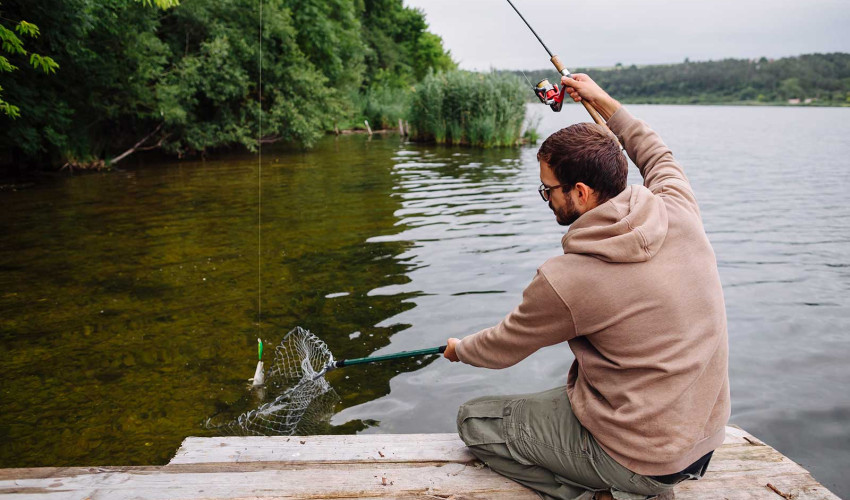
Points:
631	227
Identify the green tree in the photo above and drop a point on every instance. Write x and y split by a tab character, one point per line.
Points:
790	88
400	49
329	36
747	94
728	80
428	54
209	96
11	44
162	4
187	79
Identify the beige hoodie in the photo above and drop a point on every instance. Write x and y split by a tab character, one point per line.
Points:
638	297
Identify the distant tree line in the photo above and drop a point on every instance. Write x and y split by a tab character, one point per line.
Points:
820	79
184	76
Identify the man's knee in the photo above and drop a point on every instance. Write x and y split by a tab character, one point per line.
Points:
462	415
479	421
467	410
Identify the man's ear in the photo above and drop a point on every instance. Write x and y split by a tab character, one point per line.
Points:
586	194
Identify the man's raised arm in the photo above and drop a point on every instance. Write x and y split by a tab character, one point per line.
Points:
662	174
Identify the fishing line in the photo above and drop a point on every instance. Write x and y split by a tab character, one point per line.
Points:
260	180
259	374
526	79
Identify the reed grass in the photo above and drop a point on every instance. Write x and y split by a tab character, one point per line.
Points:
383	107
462	107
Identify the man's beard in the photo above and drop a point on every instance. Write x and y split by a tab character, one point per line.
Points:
567	214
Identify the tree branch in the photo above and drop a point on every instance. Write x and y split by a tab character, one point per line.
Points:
137	146
270	139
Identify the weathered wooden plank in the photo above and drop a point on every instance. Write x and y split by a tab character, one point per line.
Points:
745	458
736	435
338	449
319	481
325	449
743	472
44	472
716	486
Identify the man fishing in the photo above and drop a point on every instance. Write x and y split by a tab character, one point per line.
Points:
637	296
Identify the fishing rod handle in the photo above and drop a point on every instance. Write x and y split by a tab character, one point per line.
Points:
594	114
386	357
556	61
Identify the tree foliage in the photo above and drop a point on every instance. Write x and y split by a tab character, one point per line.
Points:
186	75
400	50
11	44
824	78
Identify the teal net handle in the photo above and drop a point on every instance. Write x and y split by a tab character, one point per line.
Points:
398	355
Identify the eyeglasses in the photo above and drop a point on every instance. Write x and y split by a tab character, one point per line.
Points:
544	190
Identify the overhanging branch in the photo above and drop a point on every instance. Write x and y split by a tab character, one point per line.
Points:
138	145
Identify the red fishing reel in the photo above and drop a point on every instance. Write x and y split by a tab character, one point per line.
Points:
549	94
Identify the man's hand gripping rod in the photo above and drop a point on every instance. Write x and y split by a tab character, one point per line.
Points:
556	61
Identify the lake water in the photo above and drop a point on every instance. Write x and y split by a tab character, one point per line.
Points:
128	300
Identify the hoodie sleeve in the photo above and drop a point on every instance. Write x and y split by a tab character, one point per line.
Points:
542	319
661	173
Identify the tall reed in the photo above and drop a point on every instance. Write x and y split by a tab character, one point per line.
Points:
382	106
462	107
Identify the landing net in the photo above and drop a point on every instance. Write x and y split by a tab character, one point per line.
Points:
302	402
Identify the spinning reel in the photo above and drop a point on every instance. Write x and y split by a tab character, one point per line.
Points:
549	94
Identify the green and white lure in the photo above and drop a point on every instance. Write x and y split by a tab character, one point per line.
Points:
259	374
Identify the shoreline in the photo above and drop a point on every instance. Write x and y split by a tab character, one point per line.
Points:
9	180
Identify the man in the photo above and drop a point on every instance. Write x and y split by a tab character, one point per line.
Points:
637	296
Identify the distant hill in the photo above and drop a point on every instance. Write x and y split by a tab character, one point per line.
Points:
814	79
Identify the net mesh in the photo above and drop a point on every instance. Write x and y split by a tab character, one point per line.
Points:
301	403
299	355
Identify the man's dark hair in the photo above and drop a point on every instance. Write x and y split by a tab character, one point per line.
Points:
586	152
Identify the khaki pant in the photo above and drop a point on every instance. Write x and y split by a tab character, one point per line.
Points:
536	440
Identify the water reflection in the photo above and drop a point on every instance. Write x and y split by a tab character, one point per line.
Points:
130	299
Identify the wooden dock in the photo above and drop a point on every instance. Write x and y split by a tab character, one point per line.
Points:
427	466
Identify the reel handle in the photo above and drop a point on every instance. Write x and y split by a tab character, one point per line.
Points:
556	61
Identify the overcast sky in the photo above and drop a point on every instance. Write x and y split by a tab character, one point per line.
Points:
487	33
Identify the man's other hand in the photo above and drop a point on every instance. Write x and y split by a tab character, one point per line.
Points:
582	87
450	353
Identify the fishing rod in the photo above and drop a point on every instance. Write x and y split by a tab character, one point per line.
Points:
550	94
